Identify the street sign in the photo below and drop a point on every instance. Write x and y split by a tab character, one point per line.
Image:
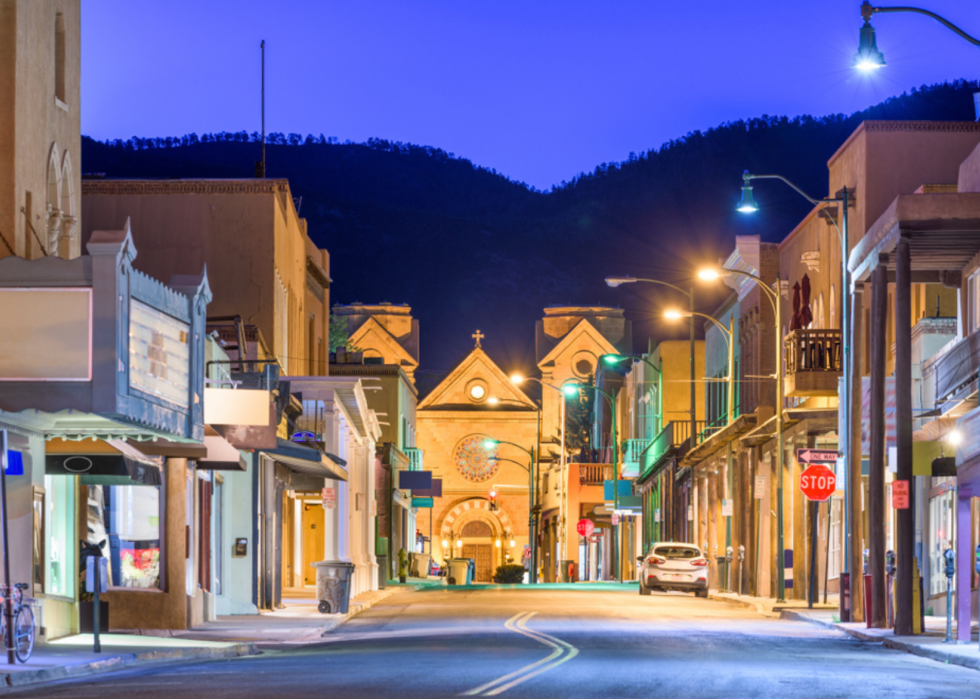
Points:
818	482
422	502
760	486
585	527
900	495
817	456
615	519
527	552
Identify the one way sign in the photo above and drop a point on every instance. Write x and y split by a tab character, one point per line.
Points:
816	456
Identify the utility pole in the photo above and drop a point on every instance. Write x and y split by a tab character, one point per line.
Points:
260	166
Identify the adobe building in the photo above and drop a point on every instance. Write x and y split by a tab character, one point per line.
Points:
40	141
260	260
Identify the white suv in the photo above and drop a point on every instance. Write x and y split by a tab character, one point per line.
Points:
674	566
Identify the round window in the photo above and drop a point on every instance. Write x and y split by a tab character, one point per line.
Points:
477	392
583	364
474	461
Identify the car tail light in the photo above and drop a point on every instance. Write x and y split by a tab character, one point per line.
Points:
656	560
699	562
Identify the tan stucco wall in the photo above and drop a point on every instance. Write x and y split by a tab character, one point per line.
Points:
243	230
31	122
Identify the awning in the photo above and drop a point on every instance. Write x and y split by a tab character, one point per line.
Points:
220	455
121	462
307	461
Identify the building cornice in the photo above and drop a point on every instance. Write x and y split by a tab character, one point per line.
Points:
907	126
172	187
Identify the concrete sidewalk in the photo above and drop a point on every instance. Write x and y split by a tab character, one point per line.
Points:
73	656
769	606
929	644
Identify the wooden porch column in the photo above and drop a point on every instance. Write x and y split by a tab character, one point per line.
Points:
904	530
855	486
876	474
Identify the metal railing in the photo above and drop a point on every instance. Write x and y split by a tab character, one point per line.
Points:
958	367
813	350
672	436
414	458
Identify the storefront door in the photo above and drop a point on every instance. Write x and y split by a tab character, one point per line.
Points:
483	555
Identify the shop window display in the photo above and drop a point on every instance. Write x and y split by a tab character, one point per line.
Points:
128	517
59	543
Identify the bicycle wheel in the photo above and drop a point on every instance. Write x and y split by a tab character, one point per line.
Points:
24	633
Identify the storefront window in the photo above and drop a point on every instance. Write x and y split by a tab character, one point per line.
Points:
60	542
128	516
941	532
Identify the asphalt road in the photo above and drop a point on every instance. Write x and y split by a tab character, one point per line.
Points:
555	644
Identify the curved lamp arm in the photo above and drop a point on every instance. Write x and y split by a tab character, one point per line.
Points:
867	10
725	332
500	458
616	281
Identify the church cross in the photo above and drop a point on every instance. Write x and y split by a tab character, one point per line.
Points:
478	336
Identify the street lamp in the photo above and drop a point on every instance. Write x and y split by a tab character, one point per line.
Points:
868	58
844	407
712	274
617	281
729	335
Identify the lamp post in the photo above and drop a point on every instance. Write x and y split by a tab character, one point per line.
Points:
748	205
617	281
615	443
868	57
492	444
714	274
729	335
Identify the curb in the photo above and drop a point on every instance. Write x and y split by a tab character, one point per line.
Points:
754	606
363	606
15	680
937	654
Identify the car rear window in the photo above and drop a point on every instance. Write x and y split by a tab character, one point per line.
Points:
677	552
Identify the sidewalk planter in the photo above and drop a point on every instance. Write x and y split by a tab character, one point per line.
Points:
333	586
86	617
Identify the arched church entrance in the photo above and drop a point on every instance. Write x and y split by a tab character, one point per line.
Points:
474	531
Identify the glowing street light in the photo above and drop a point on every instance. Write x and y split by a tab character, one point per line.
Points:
616	281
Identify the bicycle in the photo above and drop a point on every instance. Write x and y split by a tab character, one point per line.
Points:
23	614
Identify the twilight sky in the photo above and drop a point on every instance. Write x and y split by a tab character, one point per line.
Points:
540	90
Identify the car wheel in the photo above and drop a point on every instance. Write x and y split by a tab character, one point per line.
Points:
644	590
703	594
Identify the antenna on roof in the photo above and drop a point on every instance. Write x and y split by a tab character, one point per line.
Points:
260	166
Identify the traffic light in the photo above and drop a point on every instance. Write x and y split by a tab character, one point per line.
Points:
617	363
493	500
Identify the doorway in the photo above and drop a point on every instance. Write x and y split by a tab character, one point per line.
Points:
483	555
313	521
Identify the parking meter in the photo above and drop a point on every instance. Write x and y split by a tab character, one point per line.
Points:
950	570
890	562
728	553
741	553
950	556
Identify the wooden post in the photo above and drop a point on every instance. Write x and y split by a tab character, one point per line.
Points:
876	475
855	485
905	531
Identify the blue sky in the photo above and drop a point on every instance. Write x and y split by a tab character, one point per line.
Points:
540	90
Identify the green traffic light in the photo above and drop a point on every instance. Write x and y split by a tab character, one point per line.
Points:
489	444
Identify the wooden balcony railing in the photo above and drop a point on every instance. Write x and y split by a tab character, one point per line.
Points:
813	350
958	366
594	474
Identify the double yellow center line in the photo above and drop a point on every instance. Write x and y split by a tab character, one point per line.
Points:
561	652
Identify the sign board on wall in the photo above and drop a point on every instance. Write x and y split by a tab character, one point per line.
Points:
159	353
727	507
329	496
760	486
47	334
900	495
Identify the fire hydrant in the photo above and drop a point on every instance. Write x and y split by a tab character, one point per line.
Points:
402	565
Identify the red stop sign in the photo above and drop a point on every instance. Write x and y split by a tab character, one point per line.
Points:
585	527
818	482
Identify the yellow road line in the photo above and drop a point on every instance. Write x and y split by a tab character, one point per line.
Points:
518	623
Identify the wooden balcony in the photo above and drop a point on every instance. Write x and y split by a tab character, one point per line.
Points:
594	474
813	363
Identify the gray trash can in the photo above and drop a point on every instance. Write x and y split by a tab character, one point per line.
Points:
333	586
458	571
470	571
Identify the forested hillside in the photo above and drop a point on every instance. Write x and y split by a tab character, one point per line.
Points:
468	248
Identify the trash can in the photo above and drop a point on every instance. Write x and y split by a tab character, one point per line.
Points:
382	572
420	565
458	571
470	571
333	586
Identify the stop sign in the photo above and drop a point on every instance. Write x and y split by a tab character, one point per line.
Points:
818	482
585	527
